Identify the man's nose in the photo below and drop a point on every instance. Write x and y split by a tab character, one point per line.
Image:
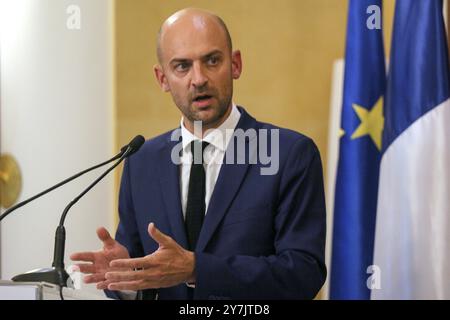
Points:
199	78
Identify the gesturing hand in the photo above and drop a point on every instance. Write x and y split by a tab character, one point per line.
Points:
168	266
99	261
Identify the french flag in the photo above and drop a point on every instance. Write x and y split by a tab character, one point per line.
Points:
412	233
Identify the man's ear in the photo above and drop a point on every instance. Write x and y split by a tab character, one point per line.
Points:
161	78
236	64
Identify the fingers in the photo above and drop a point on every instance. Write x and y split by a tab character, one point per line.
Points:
105	237
102	285
129	285
136	263
94	278
116	276
158	236
86	267
82	256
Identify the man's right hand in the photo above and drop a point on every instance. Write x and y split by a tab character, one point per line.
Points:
99	260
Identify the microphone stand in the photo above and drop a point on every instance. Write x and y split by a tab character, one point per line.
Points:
57	274
21	204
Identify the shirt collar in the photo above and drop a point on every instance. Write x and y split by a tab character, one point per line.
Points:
216	137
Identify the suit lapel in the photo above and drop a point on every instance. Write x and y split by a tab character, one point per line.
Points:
228	183
170	190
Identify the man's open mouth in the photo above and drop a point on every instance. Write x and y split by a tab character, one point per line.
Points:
202	98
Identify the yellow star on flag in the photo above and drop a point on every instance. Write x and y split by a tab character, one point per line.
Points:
372	122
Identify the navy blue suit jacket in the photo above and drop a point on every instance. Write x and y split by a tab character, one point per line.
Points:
263	236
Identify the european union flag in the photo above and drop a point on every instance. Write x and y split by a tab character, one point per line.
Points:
359	153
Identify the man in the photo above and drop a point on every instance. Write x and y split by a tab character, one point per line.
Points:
223	229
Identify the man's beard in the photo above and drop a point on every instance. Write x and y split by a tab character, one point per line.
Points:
221	109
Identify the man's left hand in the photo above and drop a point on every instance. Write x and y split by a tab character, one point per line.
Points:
168	266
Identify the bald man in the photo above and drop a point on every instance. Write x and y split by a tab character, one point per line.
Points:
202	215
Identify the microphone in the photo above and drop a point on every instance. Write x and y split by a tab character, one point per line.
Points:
57	274
131	146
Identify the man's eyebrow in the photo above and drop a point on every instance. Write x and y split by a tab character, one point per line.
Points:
177	60
206	56
212	53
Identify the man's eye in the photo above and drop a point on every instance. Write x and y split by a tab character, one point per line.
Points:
213	61
183	66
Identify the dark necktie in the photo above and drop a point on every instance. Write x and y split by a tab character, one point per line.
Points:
195	208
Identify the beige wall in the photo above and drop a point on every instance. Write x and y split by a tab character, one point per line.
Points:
288	48
388	20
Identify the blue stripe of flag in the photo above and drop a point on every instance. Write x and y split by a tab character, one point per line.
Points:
419	74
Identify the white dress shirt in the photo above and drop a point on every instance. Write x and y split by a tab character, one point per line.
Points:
218	140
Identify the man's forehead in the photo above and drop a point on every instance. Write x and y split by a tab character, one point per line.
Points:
192	31
197	38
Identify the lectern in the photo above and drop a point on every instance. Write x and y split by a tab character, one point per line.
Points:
10	290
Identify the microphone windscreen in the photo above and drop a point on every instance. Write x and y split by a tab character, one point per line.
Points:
136	143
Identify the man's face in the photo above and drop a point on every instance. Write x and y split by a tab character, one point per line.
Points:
198	69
